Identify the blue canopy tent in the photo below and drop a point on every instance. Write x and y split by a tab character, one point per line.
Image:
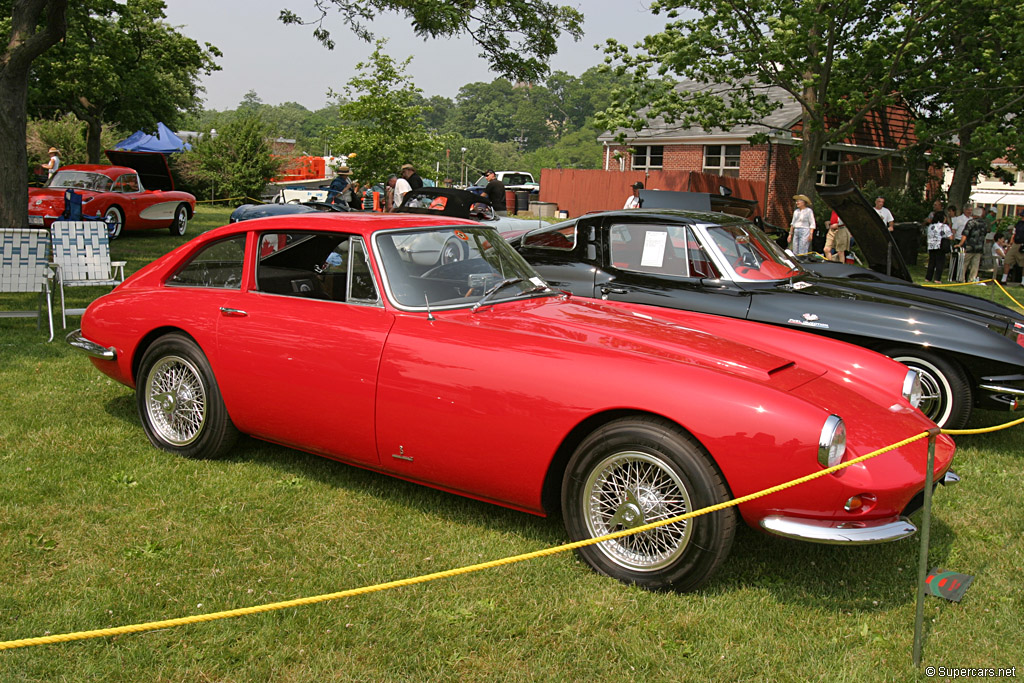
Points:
164	142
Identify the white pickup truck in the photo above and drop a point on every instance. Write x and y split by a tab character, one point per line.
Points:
513	180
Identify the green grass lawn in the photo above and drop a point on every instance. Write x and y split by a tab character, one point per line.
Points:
99	529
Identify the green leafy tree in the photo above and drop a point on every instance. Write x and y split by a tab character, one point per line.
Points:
381	124
516	37
235	163
504	112
970	100
29	28
67	134
838	60
121	63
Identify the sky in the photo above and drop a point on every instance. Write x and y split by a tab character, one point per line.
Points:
287	64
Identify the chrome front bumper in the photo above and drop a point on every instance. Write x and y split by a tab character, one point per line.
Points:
847	532
91	348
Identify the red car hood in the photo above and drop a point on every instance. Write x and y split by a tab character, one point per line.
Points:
648	332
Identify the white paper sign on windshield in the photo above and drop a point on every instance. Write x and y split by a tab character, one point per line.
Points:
654	249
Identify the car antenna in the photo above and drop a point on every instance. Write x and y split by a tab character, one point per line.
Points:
430	316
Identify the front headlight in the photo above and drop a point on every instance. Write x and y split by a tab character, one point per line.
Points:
832	443
912	388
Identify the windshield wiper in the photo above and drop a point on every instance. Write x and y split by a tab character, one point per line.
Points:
494	290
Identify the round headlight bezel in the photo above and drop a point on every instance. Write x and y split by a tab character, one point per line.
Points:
912	389
832	442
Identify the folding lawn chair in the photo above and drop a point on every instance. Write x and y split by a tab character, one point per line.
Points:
81	255
24	267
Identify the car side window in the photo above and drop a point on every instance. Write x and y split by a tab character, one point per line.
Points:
558	237
129	182
309	265
217	265
659	250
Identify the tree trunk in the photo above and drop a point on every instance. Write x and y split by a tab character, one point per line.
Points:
963	173
810	158
30	36
93	144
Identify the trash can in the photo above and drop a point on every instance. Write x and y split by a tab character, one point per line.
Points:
522	201
543	209
908	239
510	202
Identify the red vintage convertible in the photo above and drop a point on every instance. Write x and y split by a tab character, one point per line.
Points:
137	193
349	336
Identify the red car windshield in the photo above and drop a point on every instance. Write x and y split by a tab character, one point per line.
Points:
81	180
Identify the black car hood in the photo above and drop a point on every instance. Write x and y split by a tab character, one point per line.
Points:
872	236
970	308
152	167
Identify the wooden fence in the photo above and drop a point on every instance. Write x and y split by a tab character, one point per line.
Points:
580	191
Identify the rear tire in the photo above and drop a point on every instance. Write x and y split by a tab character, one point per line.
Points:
179	403
631	472
946	392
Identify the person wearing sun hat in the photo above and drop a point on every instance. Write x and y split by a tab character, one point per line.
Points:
801	227
336	190
54	163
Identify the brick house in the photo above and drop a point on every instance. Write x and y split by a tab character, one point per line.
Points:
774	165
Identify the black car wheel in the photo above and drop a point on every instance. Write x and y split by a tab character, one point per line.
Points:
114	218
945	391
180	224
179	402
634	471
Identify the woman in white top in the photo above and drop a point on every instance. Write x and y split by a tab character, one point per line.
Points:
801	228
54	163
936	250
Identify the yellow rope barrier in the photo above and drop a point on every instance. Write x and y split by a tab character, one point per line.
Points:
979	282
424	578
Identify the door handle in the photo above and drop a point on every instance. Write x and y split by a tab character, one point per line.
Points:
233	313
613	290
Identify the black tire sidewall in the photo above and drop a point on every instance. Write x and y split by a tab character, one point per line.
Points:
711	534
960	396
120	222
218	433
178	227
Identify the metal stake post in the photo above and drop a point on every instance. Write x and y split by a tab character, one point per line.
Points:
922	565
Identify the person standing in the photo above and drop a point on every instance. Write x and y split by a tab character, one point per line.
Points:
633	201
1014	255
972	239
53	164
801	227
402	186
336	190
884	214
389	193
411	176
495	191
936	253
998	253
936	208
837	242
958	223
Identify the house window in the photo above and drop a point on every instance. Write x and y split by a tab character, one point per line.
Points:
828	174
647	156
722	160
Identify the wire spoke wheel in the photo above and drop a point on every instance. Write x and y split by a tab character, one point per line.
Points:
628	490
176	400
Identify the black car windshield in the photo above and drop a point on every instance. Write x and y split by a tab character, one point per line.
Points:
453	267
750	254
80	180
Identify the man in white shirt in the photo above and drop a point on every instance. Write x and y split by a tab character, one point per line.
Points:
634	201
884	213
958	222
401	187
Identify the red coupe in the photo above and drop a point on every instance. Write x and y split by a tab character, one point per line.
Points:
348	336
136	193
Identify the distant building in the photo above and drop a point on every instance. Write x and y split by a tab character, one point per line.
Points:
991	192
670	147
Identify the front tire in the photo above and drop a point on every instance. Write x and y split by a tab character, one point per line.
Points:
946	392
634	471
114	218
180	224
179	403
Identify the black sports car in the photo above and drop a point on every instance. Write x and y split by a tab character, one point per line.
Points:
969	351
